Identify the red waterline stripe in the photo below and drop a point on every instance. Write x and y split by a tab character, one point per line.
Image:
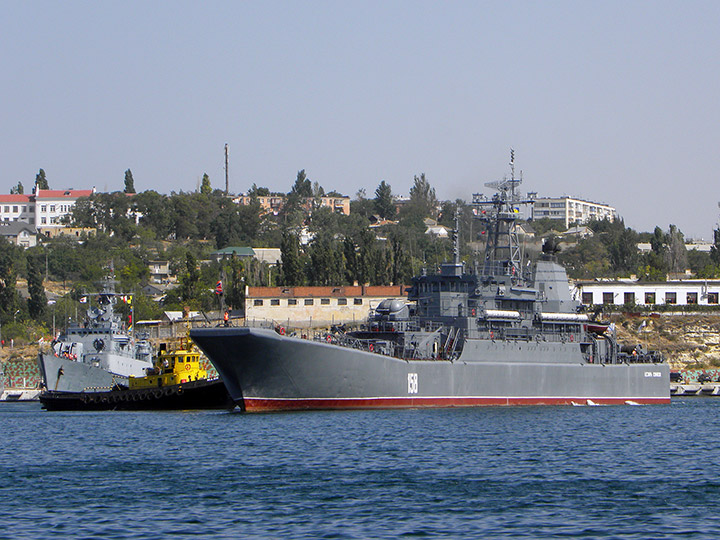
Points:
260	404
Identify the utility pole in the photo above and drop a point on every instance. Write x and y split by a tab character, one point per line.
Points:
227	183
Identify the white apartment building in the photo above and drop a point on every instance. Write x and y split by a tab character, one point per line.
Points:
43	209
571	210
681	292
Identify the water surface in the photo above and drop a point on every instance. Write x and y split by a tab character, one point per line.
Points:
516	472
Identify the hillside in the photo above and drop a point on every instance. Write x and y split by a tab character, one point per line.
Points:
687	341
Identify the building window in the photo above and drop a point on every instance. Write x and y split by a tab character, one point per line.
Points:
7	209
257	302
670	298
649	297
691	298
43	208
629	298
275	302
32	209
342	301
325	301
52	207
358	302
587	298
15	208
608	298
292	301
713	297
42	220
309	302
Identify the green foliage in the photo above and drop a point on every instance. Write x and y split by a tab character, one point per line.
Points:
37	302
41	181
235	286
384	205
303	185
423	202
17	190
129	182
326	262
545	225
255	191
9	299
291	265
205	187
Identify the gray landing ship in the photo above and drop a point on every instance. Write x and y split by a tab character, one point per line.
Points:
503	334
97	355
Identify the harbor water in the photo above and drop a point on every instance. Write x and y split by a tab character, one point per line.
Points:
517	472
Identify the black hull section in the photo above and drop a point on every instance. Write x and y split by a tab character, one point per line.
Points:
186	396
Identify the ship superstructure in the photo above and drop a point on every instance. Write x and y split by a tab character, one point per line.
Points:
98	354
505	332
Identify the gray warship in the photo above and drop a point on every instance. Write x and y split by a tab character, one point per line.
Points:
97	355
503	333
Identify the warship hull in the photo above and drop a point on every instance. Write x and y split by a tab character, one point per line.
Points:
66	375
264	371
203	394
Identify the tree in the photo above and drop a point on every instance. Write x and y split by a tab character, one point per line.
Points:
235	289
303	186
327	265
676	252
40	180
190	279
715	249
8	278
205	186
255	191
37	301
17	190
422	198
290	260
384	205
129	182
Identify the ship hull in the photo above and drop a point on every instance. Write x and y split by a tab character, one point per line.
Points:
203	394
66	375
264	371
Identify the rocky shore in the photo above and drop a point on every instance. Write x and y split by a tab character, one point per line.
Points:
688	341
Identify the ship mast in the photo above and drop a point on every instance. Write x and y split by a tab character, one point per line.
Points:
499	215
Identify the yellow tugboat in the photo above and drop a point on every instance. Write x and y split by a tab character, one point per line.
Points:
176	381
172	368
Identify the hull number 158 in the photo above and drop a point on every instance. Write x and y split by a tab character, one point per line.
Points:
412	383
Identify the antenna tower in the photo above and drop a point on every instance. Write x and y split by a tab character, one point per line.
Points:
227	183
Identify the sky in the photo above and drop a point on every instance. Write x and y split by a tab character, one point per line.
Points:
617	102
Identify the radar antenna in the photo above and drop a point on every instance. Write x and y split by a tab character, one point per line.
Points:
499	215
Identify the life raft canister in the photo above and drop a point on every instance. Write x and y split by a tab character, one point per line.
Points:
371	347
